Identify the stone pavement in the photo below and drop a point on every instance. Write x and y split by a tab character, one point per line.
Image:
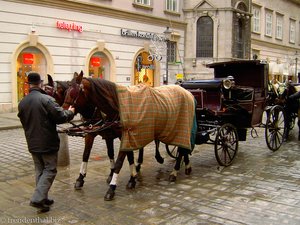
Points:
261	187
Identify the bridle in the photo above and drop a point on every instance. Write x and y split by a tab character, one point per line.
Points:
77	94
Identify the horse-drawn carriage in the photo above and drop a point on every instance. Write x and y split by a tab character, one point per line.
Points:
227	106
232	102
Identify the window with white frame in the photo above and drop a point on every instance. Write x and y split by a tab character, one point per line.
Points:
292	31
256	20
279	26
172	5
143	2
269	23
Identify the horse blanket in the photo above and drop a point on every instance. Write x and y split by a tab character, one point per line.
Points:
164	113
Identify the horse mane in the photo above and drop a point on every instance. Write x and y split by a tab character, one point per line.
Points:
104	96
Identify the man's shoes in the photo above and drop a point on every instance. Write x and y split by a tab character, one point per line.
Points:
40	205
48	202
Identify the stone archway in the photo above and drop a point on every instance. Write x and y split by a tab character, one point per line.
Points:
110	63
32	42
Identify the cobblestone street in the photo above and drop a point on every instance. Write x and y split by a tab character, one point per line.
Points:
261	187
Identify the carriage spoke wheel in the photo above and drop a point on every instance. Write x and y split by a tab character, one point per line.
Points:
226	144
275	128
172	151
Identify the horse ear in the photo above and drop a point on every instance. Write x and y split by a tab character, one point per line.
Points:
50	80
75	75
79	78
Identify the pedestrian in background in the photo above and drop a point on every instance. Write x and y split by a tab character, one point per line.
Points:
39	115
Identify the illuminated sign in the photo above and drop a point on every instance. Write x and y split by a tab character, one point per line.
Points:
69	26
27	58
95	61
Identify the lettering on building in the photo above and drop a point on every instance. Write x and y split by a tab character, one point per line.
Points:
136	34
69	26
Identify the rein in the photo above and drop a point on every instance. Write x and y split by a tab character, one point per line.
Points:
86	127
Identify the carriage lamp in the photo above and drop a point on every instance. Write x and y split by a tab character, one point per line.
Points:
167	34
228	82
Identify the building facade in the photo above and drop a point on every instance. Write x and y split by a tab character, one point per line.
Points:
275	37
268	30
216	31
121	41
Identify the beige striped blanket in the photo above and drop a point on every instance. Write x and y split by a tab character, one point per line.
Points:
165	113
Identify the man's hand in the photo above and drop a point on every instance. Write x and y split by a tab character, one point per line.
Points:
71	108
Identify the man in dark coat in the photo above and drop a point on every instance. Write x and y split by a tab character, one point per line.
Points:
39	114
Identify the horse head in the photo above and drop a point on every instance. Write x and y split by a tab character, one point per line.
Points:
75	95
56	89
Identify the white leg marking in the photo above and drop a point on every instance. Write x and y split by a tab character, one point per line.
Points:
83	168
114	179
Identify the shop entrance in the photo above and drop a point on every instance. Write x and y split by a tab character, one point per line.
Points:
99	66
30	59
144	70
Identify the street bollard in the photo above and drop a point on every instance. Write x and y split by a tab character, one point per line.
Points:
63	153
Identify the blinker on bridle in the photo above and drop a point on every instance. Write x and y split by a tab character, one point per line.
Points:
74	100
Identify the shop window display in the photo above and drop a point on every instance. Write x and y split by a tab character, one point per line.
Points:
144	70
30	59
99	66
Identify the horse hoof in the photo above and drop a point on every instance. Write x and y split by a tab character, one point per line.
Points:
172	178
131	183
188	171
110	194
78	184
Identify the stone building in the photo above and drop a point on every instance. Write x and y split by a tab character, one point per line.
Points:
268	30
125	41
110	39
216	31
276	37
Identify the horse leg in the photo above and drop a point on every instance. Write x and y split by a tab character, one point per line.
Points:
133	174
158	157
89	140
173	175
113	183
140	160
298	124
187	162
110	152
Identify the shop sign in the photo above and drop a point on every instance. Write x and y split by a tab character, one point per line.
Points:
151	67
136	34
27	58
69	26
95	61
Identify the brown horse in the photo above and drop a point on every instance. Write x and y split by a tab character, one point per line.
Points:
83	92
91	116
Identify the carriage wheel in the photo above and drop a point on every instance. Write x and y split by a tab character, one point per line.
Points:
226	144
172	150
275	128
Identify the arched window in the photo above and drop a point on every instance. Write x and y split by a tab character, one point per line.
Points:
30	59
239	39
99	66
204	43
